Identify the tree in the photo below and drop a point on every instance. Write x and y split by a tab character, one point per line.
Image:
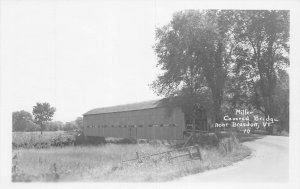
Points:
192	51
281	100
79	123
59	125
22	121
43	113
263	49
70	126
53	126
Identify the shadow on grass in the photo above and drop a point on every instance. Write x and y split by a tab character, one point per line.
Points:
248	137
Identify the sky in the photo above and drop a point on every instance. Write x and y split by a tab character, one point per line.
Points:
79	55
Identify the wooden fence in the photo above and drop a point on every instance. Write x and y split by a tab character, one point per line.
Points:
187	153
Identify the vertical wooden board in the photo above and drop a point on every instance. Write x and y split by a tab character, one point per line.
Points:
90	127
85	131
92	132
151	134
127	119
104	132
178	116
111	131
162	116
98	122
174	133
119	117
117	132
102	119
132	132
131	118
142	117
145	132
121	132
169	132
142	121
116	119
159	132
149	118
165	133
146	117
142	132
136	117
154	117
114	132
108	119
99	133
139	132
127	132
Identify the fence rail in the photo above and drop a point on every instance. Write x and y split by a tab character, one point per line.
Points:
192	152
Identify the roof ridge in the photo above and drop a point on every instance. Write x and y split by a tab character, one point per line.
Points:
125	107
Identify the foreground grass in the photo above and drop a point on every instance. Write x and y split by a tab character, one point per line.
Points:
103	163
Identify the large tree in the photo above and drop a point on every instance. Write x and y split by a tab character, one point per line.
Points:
262	38
42	113
22	121
193	51
79	123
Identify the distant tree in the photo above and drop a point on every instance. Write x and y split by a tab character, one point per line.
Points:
70	126
59	124
43	113
22	121
52	126
79	123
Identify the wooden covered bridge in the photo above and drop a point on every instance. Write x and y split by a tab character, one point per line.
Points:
144	120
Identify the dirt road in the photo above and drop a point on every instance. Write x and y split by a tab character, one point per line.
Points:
268	163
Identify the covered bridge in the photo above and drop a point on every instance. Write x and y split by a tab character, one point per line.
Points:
144	120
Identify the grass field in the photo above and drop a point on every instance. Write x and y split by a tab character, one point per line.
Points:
36	140
103	163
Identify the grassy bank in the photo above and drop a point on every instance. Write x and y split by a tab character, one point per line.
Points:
103	163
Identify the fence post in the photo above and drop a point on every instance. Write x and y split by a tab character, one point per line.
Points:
225	147
199	153
138	158
191	156
169	157
229	146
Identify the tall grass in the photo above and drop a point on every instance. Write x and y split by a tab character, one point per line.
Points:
103	163
47	139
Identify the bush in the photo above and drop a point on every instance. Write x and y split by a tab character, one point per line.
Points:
36	140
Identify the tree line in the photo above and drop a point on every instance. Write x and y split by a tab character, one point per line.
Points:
41	120
220	60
